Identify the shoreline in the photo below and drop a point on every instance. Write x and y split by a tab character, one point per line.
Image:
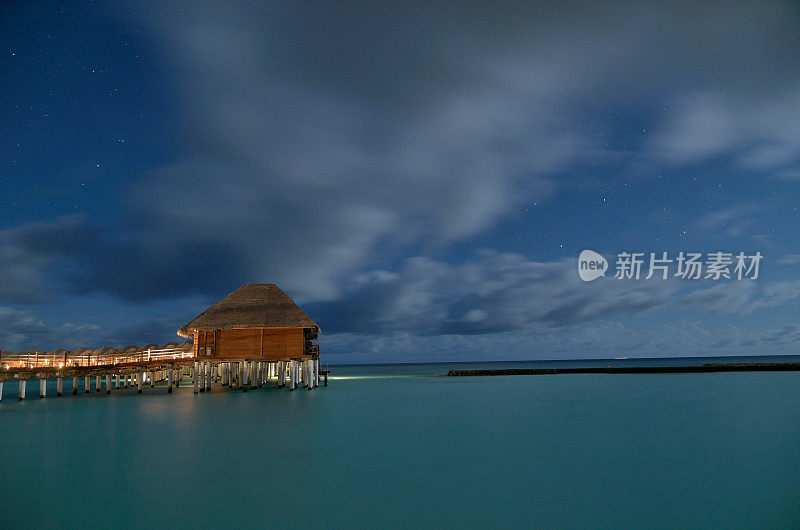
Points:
705	368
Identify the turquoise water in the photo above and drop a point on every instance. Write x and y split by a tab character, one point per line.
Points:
402	446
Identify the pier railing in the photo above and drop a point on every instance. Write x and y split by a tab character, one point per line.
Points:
88	358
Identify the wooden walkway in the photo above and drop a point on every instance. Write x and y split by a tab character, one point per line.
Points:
142	368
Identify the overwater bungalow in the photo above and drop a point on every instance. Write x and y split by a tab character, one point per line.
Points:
254	335
257	321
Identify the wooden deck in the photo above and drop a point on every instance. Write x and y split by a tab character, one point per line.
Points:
148	367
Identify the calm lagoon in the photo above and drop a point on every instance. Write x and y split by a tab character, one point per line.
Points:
401	445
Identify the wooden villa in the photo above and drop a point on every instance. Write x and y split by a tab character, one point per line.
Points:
257	325
253	336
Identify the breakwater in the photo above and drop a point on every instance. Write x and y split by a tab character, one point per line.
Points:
705	368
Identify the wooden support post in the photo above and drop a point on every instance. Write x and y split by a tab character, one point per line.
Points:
202	377
210	375
281	374
224	378
152	379
243	376
195	375
59	387
74	386
1	391
178	378
87	384
139	378
316	373
22	389
118	382
169	380
108	383
292	374
253	376
98	380
42	387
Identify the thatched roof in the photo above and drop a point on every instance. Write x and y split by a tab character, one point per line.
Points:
255	305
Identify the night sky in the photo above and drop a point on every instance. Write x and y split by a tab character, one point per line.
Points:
419	178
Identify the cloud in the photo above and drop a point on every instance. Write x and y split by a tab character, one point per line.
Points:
776	294
735	220
785	335
323	138
754	130
29	255
320	141
601	339
492	293
21	330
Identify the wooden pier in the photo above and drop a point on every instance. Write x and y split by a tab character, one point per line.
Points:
146	367
254	336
